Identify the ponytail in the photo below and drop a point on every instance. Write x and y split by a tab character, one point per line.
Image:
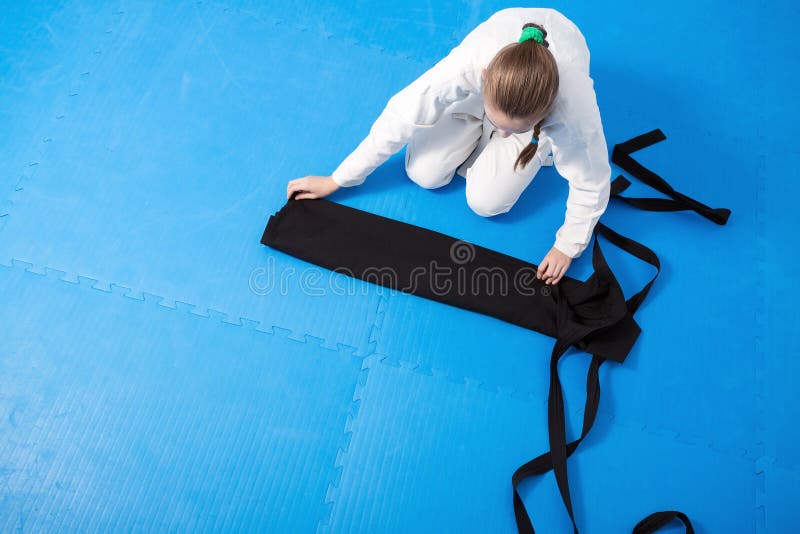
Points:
522	82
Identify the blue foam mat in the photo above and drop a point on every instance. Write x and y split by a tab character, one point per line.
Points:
145	145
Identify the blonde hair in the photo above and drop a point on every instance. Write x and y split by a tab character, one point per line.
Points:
521	81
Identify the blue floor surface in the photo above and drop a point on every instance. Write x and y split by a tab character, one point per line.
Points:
161	370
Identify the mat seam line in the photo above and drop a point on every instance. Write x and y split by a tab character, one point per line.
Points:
159	300
7	204
762	461
332	492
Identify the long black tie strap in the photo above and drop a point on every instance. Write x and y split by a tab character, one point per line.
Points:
592	315
556	459
655	521
559	450
621	155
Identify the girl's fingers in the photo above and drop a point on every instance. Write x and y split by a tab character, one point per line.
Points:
296	183
554	273
562	271
305	195
551	268
541	270
296	186
559	274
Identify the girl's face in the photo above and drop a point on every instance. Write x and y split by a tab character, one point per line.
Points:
504	124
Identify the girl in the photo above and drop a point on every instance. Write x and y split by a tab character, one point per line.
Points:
515	88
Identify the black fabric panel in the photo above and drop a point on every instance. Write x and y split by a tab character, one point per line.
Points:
426	263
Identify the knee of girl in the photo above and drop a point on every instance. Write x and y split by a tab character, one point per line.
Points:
486	207
425	177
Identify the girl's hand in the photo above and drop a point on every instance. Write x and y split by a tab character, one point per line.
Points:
311	187
553	266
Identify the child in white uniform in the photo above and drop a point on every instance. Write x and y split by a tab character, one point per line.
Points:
516	88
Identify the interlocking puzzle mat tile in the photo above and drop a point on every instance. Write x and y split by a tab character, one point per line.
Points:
121	415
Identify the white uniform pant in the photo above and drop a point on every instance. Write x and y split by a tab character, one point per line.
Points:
464	144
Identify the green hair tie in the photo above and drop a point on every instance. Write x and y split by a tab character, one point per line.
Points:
532	32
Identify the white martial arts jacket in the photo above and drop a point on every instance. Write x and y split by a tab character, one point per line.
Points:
454	84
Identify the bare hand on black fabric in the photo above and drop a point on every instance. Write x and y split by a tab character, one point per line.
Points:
311	187
553	266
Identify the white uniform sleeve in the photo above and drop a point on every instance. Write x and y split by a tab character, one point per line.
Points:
580	155
419	105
